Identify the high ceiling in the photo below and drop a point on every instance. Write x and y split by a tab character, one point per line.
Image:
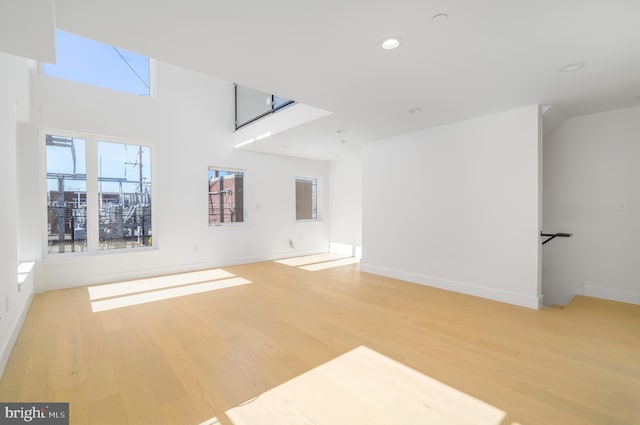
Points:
488	56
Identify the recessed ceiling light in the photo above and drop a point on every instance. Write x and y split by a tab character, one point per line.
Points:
572	67
440	17
343	141
390	43
342	130
284	146
415	110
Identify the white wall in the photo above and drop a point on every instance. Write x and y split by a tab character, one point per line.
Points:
457	207
14	301
345	231
592	189
189	124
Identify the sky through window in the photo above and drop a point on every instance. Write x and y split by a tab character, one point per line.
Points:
91	62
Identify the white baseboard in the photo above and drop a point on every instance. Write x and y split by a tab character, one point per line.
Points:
612	294
7	348
54	284
533	302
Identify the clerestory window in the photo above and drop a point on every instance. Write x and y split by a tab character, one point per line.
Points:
91	62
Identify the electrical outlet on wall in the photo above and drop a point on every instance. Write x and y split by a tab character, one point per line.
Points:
291	244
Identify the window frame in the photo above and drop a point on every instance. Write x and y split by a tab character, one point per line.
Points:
44	170
318	199
92	185
245	200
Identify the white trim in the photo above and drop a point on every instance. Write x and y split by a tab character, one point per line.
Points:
6	350
245	200
612	294
218	227
461	287
92	186
68	282
319	198
72	257
153	80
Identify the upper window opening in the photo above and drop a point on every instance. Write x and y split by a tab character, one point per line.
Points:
88	61
251	105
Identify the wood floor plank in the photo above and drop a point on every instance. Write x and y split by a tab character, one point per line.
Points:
107	411
76	396
138	397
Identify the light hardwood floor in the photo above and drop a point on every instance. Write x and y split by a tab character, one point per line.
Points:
187	360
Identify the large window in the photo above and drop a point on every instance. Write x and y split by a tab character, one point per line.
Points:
306	198
111	209
66	194
88	61
226	196
124	195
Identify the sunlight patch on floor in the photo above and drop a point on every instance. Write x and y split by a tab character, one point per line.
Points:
154	283
212	421
365	387
165	294
311	259
316	262
330	264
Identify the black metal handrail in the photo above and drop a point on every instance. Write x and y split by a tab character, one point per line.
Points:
554	235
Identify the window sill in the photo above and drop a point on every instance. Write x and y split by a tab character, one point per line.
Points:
228	226
73	256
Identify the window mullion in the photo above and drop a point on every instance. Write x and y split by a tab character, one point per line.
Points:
92	195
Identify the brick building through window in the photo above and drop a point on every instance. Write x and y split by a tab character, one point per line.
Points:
226	196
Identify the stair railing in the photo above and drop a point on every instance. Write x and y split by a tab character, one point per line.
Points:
552	236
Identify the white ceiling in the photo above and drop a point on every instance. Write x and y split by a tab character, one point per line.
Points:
27	28
490	56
